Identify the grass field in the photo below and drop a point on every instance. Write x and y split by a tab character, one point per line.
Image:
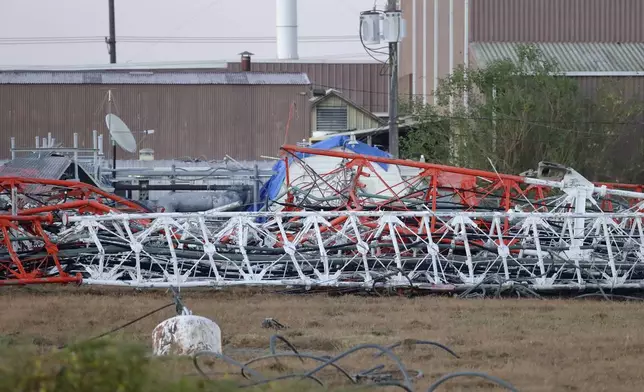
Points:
549	345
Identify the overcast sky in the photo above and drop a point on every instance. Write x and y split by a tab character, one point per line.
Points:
170	18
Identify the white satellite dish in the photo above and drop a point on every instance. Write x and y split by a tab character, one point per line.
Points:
120	133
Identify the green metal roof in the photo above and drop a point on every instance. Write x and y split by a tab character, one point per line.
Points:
571	57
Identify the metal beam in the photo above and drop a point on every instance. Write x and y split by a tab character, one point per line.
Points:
119	186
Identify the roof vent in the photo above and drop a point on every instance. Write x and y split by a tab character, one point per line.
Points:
245	60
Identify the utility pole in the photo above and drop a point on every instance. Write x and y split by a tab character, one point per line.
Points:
111	42
109	126
393	90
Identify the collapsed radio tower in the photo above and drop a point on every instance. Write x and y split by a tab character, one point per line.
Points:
334	218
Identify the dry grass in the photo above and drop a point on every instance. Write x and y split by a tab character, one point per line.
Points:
551	345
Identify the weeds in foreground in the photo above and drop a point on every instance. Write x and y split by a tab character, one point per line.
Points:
99	366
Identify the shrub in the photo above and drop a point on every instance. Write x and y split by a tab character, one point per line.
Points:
92	367
104	366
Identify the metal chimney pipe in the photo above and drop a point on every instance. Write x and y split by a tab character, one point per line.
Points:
245	64
286	23
245	61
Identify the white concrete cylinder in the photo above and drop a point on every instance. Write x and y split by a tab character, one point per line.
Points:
286	24
186	335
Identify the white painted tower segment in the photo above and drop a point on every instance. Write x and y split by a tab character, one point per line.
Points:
286	23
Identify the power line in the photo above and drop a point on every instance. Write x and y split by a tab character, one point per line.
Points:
304	37
446	134
488	118
250	40
201	64
52	38
46	41
170	40
179	27
536	123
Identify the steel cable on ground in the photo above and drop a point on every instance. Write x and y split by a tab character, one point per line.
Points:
273	342
301	357
420	342
492	379
331	361
116	329
609	296
376	374
243	367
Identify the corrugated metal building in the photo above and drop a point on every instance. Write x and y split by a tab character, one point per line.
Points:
443	34
363	83
594	65
194	114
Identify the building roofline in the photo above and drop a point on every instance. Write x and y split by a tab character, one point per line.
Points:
598	59
620	74
160	65
336	93
170	65
159	78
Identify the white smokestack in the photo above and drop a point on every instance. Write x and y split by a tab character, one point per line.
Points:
286	24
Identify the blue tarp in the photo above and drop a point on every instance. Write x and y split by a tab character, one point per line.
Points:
271	188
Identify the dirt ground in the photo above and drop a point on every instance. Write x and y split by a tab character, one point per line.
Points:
549	345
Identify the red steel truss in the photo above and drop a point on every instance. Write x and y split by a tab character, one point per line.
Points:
433	187
31	212
37	247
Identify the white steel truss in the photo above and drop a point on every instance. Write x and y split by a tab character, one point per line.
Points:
450	251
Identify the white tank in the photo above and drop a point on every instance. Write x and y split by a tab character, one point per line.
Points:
186	335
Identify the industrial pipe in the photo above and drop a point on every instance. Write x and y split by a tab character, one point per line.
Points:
178	187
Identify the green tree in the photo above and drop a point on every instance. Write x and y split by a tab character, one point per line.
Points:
524	111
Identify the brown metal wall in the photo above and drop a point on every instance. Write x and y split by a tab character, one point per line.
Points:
510	21
629	90
405	70
557	21
626	152
360	82
627	87
189	120
424	78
